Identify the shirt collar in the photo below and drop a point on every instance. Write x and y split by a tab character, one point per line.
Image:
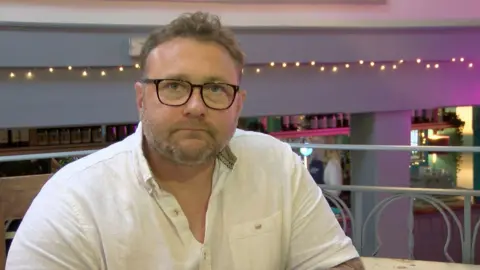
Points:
226	156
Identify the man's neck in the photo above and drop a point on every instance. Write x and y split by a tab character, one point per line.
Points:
175	177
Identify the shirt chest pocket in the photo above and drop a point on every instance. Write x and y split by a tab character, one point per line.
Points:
258	244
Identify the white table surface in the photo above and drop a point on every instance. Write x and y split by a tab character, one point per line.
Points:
385	264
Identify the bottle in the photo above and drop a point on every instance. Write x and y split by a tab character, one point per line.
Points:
285	123
4	138
441	114
417	118
346	120
97	136
15	137
122	132
323	123
111	134
53	136
340	120
42	137
24	137
314	122
294	123
76	135
86	135
65	136
332	121
132	128
434	115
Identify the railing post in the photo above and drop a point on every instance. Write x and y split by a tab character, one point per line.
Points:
357	221
467	230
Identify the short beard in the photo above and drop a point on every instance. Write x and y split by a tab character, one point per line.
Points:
170	151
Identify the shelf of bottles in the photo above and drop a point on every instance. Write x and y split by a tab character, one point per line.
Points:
57	139
303	126
290	128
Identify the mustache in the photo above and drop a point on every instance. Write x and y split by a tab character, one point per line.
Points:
195	125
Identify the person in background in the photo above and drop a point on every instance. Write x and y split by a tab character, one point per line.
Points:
316	166
333	174
187	190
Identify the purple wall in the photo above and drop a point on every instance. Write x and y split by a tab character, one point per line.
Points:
66	98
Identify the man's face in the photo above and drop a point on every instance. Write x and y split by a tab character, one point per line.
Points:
190	134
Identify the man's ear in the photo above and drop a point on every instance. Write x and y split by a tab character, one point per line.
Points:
241	96
139	94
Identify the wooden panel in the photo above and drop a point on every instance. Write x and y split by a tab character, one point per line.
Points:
3	251
17	193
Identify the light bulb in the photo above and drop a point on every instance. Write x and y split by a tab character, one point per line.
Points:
258	70
394	66
453	59
297	64
272	64
103	73
12	75
334	69
462	59
121	69
29	74
360	62
51	70
372	64
437	65
322	69
284	65
400	61
428	65
347	65
419	60
382	67
69	67
312	63
84	73
470	65
137	65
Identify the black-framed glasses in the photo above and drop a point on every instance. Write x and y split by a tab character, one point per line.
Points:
172	92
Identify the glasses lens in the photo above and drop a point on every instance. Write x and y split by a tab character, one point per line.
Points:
218	95
173	92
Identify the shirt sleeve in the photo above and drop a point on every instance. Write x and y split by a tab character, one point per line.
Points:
51	235
317	240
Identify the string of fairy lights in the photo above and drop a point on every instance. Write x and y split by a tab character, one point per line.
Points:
29	73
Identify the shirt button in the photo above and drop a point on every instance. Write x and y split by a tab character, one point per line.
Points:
176	212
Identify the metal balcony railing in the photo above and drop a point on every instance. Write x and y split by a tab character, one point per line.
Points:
353	224
460	225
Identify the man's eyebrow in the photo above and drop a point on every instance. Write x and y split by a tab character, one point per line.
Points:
215	79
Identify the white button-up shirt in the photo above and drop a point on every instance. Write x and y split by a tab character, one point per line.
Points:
105	211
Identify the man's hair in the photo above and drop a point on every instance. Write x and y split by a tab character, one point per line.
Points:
201	26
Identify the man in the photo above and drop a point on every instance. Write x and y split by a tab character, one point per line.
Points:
187	190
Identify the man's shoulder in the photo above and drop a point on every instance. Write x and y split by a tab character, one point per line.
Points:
113	156
256	144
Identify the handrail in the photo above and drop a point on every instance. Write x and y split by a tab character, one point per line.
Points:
422	191
351	147
408	148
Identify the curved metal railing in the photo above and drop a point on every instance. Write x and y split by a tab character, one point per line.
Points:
359	227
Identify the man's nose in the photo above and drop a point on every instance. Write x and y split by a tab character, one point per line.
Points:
195	106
